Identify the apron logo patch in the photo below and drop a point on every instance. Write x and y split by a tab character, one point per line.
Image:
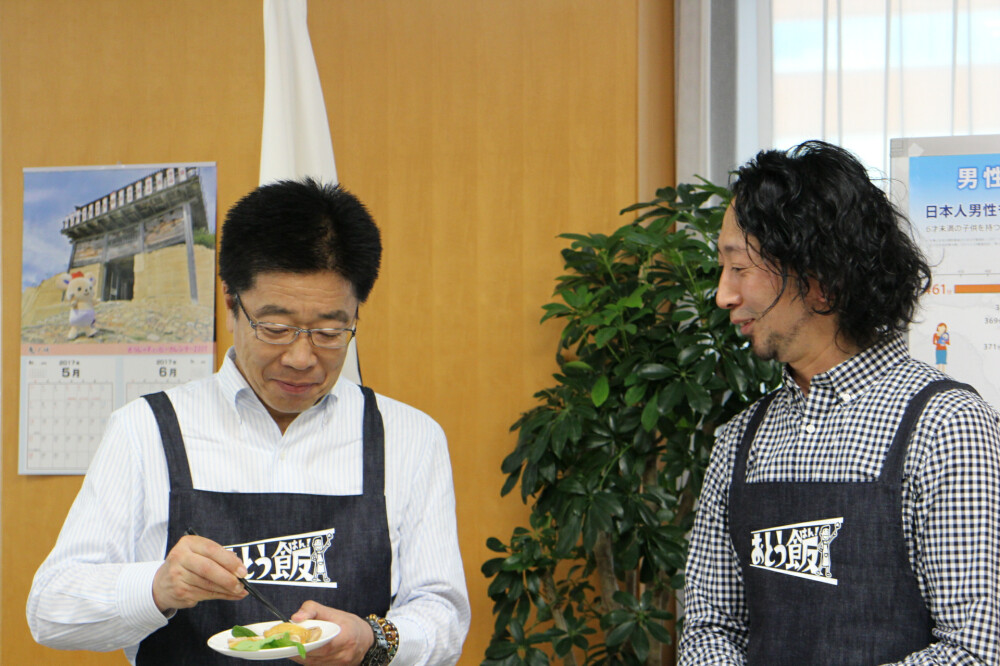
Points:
801	550
297	559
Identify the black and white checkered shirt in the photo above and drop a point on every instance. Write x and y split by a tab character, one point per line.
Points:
840	432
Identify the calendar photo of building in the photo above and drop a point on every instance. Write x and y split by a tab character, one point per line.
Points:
144	246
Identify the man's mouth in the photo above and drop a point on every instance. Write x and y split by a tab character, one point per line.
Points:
294	387
744	326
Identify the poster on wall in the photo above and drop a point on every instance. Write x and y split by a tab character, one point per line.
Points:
949	187
117	299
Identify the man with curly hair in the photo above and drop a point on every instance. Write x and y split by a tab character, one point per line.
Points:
852	516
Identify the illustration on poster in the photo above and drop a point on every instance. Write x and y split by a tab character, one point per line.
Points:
941	341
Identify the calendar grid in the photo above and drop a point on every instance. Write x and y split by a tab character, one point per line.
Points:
66	401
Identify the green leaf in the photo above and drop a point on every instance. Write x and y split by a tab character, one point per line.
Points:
689	354
510	482
600	391
650	415
640	643
626	600
669	397
493	543
634	394
604	336
563	646
616	617
660	633
569	534
699	399
609	503
514	460
535	657
240	631
590	531
512	660
682	314
620	633
653	371
555	310
501	650
492	566
637	206
634	299
735	375
573	486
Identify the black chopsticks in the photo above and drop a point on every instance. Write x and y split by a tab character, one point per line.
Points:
254	592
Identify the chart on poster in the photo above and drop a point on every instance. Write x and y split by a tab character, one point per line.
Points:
949	187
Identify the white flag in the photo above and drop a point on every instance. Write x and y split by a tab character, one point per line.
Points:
295	142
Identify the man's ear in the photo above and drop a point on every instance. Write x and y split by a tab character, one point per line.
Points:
817	296
228	295
230	301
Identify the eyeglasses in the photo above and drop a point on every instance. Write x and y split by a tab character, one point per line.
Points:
282	334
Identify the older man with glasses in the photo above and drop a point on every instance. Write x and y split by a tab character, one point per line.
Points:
337	501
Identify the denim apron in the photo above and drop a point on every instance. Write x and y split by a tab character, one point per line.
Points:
333	549
825	565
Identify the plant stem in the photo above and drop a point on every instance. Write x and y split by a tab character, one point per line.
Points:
684	506
605	559
551	597
663	599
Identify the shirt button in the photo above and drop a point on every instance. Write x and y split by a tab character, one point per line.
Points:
846	396
810	428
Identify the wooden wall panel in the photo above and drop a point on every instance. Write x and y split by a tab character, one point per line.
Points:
476	132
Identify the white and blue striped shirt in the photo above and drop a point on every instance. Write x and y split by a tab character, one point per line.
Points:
94	591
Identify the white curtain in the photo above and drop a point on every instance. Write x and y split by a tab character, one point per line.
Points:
857	72
295	140
705	93
853	72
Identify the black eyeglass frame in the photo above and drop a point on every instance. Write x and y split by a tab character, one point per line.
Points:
308	331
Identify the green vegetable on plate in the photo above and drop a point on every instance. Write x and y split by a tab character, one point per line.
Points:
252	641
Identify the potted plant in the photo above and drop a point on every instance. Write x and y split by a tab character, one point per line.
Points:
612	457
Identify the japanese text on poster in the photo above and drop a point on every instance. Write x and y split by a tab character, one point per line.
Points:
953	202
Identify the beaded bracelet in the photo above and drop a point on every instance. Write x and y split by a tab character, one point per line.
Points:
386	642
388	631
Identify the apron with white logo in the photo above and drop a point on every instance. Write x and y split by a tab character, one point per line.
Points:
333	549
825	565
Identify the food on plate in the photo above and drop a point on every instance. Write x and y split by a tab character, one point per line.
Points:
284	634
245	642
296	632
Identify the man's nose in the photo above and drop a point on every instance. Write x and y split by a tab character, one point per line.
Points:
300	354
726	296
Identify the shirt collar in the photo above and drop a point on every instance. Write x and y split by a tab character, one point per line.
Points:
231	380
235	388
851	378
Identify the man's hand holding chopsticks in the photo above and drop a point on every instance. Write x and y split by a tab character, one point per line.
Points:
197	569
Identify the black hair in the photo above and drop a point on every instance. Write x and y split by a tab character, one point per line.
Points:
299	227
816	214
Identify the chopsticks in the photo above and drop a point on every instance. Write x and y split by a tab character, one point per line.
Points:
254	592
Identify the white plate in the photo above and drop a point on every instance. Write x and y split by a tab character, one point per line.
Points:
220	641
